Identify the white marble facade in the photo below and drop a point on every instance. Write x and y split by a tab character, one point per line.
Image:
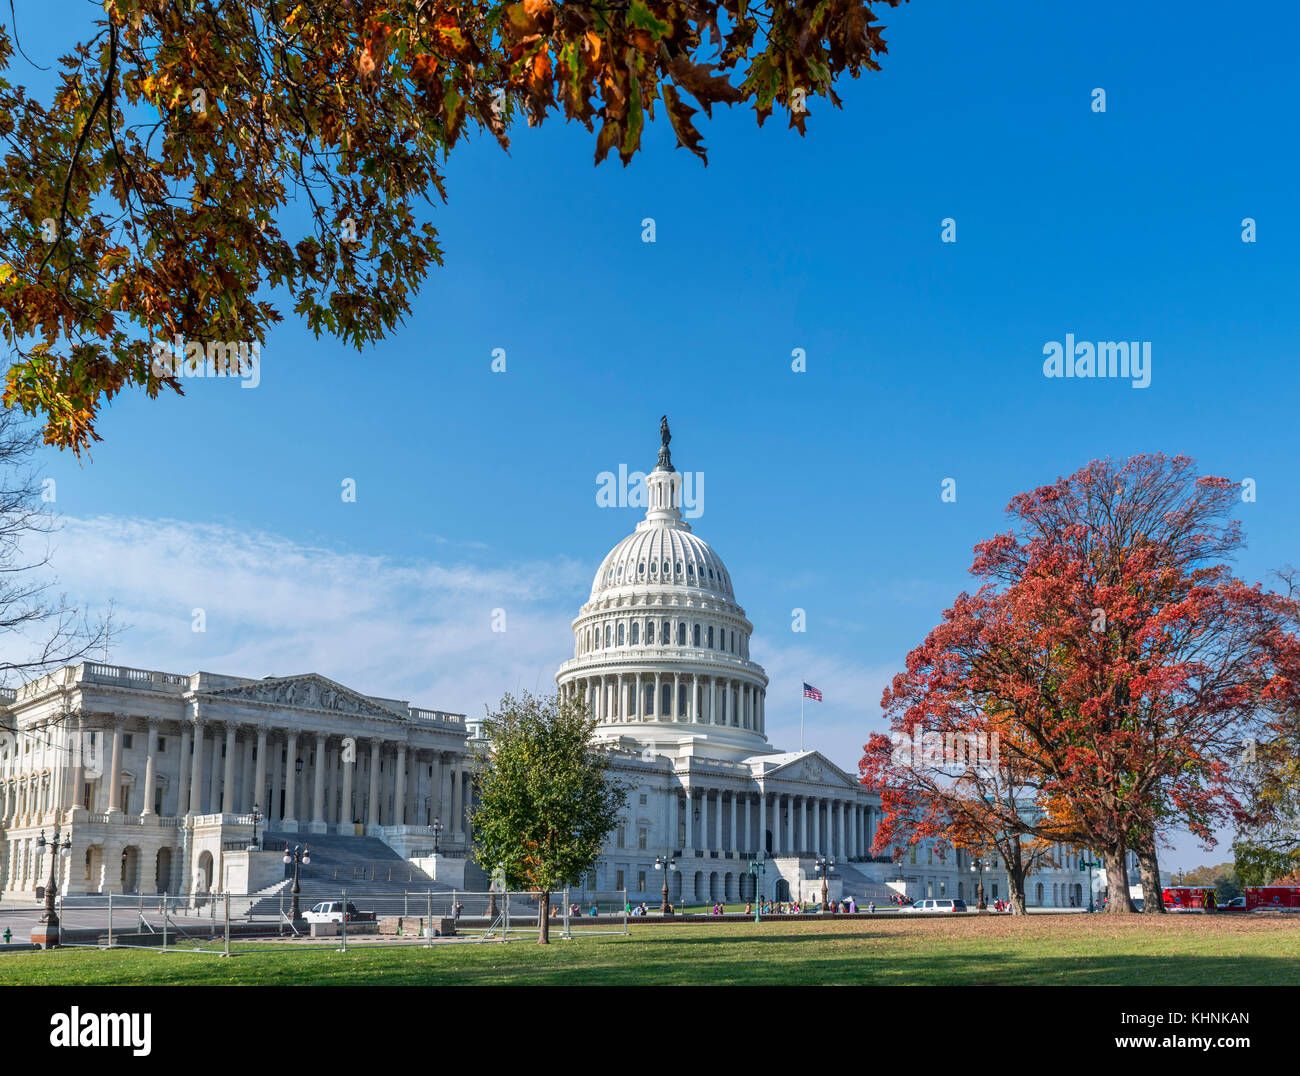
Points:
661	655
147	770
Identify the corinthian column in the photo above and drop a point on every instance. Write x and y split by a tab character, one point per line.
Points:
228	784
150	767
115	768
196	768
290	823
399	791
372	808
317	824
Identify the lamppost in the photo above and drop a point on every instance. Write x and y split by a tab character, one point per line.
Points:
437	832
758	868
299	856
824	867
665	863
257	817
977	864
1089	865
50	917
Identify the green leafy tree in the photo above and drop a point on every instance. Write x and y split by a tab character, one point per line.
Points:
546	801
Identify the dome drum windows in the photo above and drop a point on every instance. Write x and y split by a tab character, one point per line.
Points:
636	632
620	633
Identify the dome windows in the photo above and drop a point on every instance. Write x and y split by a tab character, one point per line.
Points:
620	633
636	632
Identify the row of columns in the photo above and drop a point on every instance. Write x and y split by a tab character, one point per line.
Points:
709	700
808	825
253	755
327	768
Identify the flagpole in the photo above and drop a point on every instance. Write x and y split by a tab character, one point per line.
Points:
803	701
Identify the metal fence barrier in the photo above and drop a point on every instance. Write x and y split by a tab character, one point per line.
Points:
325	917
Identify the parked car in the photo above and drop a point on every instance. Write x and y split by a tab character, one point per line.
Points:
331	911
942	905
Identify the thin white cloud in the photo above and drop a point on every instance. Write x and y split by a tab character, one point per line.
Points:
420	630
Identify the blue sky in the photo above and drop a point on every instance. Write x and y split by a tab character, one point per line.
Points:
476	490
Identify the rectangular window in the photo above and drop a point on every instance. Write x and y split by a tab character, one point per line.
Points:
128	741
162	745
157	800
618	880
621	830
914	855
640	881
87	796
644	799
641	837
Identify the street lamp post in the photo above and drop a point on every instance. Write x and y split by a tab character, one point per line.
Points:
824	867
1089	865
665	863
299	856
46	932
977	864
758	868
437	832
257	817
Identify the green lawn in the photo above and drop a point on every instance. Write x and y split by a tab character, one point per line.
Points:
1036	950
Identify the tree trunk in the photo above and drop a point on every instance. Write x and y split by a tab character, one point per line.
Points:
1117	902
1016	880
1153	902
544	918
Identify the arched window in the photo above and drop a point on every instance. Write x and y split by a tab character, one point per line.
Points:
697	635
640	568
636	632
665	634
649	633
607	634
681	634
710	636
1038	893
620	633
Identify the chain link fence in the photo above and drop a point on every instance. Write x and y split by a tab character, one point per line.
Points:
327	917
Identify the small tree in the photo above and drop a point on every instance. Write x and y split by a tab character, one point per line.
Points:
546	802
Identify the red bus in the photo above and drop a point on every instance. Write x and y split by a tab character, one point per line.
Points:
1272	896
1186	897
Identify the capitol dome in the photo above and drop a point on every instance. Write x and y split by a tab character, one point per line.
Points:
666	555
661	647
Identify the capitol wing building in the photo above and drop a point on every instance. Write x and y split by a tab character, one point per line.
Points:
161	780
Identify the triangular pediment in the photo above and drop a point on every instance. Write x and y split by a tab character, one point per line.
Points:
810	766
309	692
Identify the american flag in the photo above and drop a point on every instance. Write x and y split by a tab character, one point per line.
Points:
810	692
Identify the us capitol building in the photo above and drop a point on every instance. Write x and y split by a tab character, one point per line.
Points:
155	776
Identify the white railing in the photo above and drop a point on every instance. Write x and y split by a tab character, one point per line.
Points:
438	717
